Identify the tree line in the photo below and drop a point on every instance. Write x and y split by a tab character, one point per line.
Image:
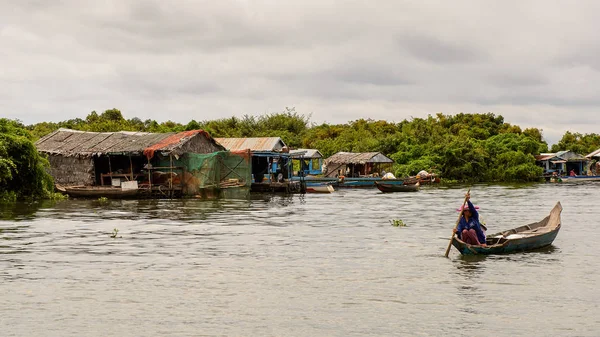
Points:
462	147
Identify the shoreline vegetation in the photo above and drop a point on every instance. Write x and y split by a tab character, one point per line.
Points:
468	148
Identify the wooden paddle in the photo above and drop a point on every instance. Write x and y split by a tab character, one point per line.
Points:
457	221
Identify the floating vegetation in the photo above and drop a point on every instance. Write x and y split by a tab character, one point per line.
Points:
103	199
397	223
114	233
58	196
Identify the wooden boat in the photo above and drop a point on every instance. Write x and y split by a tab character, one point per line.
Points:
578	179
110	192
319	189
388	188
528	237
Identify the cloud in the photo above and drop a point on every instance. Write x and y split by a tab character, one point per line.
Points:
533	62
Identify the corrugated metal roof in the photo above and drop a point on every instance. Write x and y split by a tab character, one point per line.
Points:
566	155
85	143
545	156
253	144
358	158
308	153
594	154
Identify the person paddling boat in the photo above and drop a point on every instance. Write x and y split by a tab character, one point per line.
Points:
469	229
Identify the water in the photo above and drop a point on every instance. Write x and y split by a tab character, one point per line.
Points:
313	265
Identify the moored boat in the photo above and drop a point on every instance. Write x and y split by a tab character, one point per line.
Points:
575	179
524	238
319	189
110	192
389	188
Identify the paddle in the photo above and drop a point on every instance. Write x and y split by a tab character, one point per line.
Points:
457	221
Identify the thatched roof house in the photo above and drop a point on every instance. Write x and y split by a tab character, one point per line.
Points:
356	164
80	157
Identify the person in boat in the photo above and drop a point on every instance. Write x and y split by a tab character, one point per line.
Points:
469	229
572	173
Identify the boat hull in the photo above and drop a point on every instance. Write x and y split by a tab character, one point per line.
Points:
364	182
319	189
390	188
575	179
99	192
525	238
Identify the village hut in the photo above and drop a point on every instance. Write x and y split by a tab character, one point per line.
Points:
311	161
271	162
357	164
562	162
594	158
186	161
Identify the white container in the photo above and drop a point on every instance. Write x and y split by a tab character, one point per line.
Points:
129	185
116	182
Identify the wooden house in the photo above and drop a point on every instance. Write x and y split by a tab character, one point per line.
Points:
353	164
167	164
271	162
562	163
310	161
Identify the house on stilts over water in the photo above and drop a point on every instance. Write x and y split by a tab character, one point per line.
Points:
271	163
141	164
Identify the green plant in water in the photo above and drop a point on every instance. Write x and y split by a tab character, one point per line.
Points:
397	223
103	199
58	196
114	233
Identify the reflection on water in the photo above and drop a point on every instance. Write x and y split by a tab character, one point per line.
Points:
311	265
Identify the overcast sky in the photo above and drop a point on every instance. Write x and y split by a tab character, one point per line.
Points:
537	63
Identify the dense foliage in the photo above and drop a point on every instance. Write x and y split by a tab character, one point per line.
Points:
462	147
22	169
578	143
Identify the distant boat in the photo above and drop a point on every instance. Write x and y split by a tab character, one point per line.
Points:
528	237
575	179
319	189
388	188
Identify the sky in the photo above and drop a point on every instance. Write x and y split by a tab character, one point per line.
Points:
535	63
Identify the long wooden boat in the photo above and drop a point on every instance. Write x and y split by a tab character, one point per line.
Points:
365	182
528	237
98	192
389	188
576	179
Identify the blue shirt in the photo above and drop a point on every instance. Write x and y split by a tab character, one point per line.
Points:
472	224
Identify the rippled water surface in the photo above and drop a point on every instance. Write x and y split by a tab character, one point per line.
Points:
313	265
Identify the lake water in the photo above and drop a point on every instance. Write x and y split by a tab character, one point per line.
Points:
312	265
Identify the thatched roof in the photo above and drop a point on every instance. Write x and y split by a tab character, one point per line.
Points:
358	158
68	142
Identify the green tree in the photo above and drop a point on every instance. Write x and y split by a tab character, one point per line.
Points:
22	170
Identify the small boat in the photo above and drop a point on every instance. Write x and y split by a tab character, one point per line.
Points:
388	188
577	179
319	189
110	192
528	237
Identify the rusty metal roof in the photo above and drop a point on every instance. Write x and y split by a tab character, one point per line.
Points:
85	143
254	144
358	158
307	153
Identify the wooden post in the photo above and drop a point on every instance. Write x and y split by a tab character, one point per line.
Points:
109	169
149	176
131	167
171	179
